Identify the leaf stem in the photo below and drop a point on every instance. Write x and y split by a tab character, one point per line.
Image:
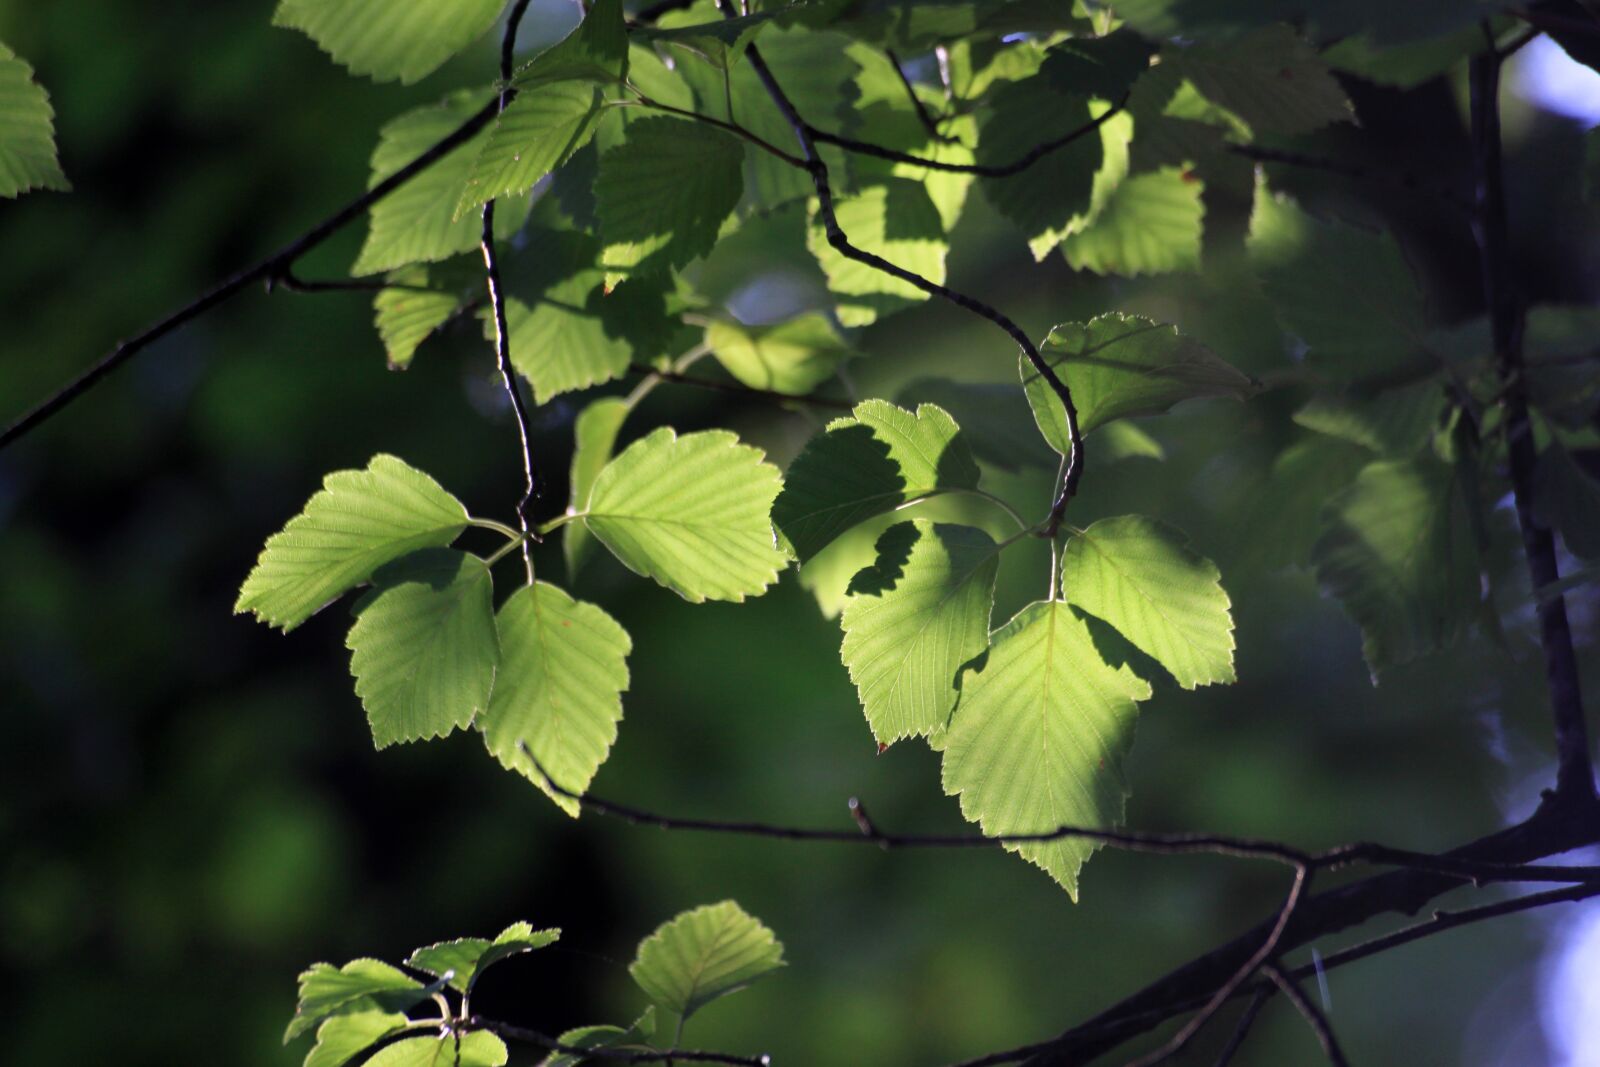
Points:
498	527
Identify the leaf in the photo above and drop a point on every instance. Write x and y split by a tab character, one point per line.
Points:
405	316
342	1038
460	963
1098	66
704	954
1347	292
359	521
1151	224
995	420
595	51
1123	440
363	985
1395	422
1285	513
865	464
663	194
1038	739
1045	198
1120	365
912	619
1567	498
385	40
691	512
27	131
423	645
895	220
595	433
1270	78
602	1037
475	1048
558	694
417	223
792	357
536	133
1399	554
1146	580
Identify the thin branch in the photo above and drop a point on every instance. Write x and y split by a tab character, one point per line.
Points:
502	332
1401	179
727	127
841	243
613	1055
296	284
740	389
1313	1014
1575	771
924	116
271	267
1242	1029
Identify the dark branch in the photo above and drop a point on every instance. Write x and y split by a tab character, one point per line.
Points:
741	389
924	116
1242	1029
267	269
1312	1014
1574	771
613	1055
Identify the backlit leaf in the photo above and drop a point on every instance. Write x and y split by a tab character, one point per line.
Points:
536	133
27	131
1271	78
704	954
363	985
405	315
595	438
460	963
1151	224
895	220
475	1048
792	357
387	40
342	1038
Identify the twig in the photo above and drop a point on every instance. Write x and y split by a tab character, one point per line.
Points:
1404	180
740	389
271	267
295	284
1313	1014
502	332
727	127
929	123
1575	772
841	243
614	1055
1242	1029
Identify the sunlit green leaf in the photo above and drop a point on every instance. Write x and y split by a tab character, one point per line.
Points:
423	645
1120	365
558	694
1039	738
27	131
1396	422
691	512
1150	225
360	986
865	464
595	51
1146	580
1270	77
405	315
386	40
595	438
475	1048
792	357
704	954
356	523
342	1038
994	420
912	619
460	963
895	220
602	1037
537	132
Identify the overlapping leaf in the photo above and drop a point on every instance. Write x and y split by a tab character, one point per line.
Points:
1039	738
895	220
865	464
408	312
536	133
386	40
460	963
1151	224
912	619
1398	421
691	512
1119	365
1046	197
359	521
342	1038
27	131
792	357
558	694
602	1037
595	437
704	954
363	985
423	646
1146	579
1270	78
475	1048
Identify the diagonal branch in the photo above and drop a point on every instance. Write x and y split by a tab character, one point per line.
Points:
611	1055
1313	1014
929	123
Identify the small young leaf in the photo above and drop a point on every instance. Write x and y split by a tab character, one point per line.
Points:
386	40
360	986
895	220
1399	554
664	193
1120	365
595	432
359	521
691	512
865	464
1040	735
475	1048
602	1037
405	316
417	223
792	357
558	694
342	1038
1151	224
704	954
1270	77
460	963
423	645
912	619
1145	579
27	131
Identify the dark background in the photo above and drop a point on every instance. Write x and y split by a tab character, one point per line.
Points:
191	809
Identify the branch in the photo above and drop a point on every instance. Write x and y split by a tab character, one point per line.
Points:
1404	180
929	123
268	269
841	243
502	332
614	1055
1242	1029
1574	771
1313	1015
738	388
